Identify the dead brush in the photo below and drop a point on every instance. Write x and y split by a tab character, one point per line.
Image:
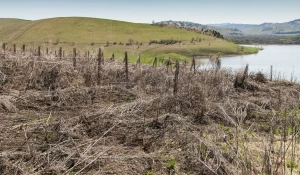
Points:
67	124
260	77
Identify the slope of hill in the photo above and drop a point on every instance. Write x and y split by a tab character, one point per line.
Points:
10	21
89	30
109	34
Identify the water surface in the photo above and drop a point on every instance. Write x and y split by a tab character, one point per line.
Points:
285	60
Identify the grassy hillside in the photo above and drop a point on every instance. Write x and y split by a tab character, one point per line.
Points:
4	22
92	30
82	32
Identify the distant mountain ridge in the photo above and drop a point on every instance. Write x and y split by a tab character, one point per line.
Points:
232	29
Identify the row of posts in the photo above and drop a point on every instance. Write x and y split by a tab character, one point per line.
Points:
61	53
100	57
100	61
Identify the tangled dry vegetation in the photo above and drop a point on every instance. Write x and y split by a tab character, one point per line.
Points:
55	119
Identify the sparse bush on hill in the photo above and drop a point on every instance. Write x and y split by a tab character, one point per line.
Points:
165	42
130	41
208	32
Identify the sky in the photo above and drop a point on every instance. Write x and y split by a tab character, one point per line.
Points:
140	11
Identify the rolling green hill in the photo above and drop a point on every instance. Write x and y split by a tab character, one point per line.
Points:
90	30
93	31
9	21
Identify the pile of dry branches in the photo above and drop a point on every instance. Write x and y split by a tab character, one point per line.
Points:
64	122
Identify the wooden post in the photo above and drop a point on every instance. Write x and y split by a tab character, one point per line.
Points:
168	64
113	57
47	51
218	64
193	64
155	61
175	90
240	81
271	73
33	49
39	51
99	67
15	50
4	47
74	58
60	52
23	49
55	54
126	65
102	55
138	62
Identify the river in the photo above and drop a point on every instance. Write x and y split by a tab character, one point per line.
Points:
285	60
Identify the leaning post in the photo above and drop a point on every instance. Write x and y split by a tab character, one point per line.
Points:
23	49
60	52
99	67
126	65
4	47
271	73
74	58
15	49
39	51
175	90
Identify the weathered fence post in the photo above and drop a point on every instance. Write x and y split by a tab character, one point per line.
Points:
193	66
113	57
99	67
175	90
271	73
47	51
102	55
126	65
218	64
240	81
155	61
15	50
4	47
74	58
168	64
55	54
39	51
60	52
23	49
138	62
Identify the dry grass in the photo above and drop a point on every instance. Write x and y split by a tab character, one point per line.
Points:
65	124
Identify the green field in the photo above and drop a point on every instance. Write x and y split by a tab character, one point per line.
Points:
91	33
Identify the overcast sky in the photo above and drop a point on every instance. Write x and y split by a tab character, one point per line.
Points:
140	11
